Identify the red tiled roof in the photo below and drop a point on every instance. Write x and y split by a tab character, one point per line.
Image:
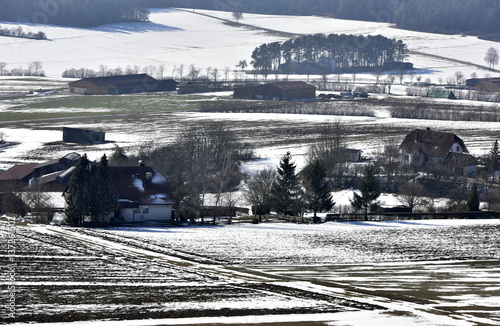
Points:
18	172
432	143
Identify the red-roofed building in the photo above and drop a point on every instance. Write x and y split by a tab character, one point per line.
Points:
435	149
293	90
125	84
18	176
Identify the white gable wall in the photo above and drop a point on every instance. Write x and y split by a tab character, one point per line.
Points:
457	148
144	213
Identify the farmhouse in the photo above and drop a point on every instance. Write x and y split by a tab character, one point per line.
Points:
116	85
295	90
436	150
82	136
143	193
484	84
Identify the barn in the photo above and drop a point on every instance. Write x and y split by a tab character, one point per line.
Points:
484	84
117	85
294	90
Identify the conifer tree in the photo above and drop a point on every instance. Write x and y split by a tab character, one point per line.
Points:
493	160
78	193
369	188
286	187
473	200
317	196
105	199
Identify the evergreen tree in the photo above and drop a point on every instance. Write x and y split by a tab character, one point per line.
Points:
286	187
493	159
473	200
105	199
317	196
369	188
78	194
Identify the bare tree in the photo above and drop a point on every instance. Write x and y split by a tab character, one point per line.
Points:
402	74
181	71
35	68
389	81
459	76
491	57
193	72
2	68
215	74
377	74
227	70
237	14
411	194
161	70
258	190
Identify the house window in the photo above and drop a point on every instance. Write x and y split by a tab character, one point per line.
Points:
145	210
458	148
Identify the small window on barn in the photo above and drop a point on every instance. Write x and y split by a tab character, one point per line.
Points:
145	210
458	148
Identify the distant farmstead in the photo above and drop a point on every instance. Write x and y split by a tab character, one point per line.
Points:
484	84
117	85
83	136
296	90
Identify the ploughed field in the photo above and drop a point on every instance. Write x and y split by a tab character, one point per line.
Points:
410	270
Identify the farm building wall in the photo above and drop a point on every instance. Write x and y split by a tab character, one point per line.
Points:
159	213
74	135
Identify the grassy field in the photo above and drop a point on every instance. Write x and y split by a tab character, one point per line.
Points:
68	106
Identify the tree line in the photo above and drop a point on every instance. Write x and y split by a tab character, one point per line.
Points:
347	51
18	32
443	16
74	12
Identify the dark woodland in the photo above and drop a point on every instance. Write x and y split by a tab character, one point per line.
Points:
77	13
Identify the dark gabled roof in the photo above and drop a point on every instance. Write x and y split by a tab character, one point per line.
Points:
292	85
474	81
18	172
141	185
118	81
432	143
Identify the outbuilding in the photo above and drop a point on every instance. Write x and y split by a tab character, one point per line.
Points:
117	85
294	90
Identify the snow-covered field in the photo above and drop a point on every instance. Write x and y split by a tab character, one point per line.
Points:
439	272
176	37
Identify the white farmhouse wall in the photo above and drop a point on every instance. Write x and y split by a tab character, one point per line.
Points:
147	213
457	148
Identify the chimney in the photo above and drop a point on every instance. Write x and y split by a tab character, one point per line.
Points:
141	163
428	128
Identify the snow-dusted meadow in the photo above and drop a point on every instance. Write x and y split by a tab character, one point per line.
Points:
432	272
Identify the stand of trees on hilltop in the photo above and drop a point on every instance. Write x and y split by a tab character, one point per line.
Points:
443	16
77	13
348	51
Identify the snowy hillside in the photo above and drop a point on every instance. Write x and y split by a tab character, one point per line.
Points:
175	37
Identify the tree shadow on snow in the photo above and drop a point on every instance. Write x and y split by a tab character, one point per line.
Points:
141	27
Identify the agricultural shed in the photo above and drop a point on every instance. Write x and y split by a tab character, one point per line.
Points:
441	93
484	84
116	85
83	136
17	176
295	90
